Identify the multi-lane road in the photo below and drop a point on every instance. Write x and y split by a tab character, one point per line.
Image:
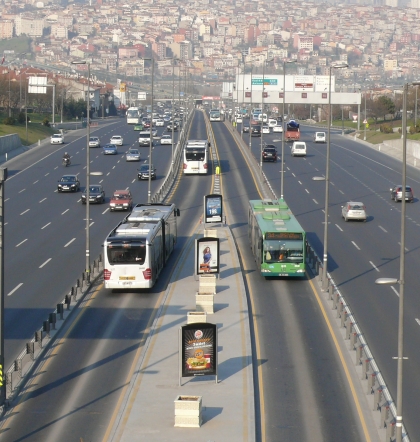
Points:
302	393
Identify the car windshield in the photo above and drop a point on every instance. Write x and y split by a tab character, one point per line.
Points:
356	207
133	152
92	139
145	168
68	178
94	189
120	196
116	137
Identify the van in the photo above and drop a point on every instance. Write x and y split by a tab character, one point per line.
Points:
272	122
298	149
320	137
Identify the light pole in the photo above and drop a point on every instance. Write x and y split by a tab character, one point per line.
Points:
415	110
262	110
327	182
87	264
172	111
401	280
364	137
282	132
250	114
10	107
149	188
243	98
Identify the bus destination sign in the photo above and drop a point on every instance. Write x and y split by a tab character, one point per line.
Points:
284	235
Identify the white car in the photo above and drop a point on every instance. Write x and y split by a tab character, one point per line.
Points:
320	137
94	142
239	120
57	139
117	140
278	128
160	123
298	149
265	129
166	139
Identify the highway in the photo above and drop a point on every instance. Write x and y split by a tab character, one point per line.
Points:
359	253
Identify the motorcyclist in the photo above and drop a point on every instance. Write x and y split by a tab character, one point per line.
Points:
66	158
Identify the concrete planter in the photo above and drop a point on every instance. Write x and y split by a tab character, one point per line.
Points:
210	233
193	317
204	303
188	411
207	284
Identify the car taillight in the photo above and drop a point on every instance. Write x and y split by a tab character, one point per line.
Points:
107	275
185	165
147	274
205	166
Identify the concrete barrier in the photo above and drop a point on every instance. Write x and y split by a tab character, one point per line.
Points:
9	142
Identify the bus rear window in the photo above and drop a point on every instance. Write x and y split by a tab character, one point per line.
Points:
195	154
121	254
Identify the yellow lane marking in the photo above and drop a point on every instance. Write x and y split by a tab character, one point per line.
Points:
343	362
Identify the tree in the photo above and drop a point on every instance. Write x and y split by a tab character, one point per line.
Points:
381	107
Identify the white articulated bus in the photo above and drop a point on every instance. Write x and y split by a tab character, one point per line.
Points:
133	115
216	115
196	157
137	249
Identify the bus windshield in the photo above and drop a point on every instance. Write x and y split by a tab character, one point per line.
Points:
123	253
195	154
284	250
132	113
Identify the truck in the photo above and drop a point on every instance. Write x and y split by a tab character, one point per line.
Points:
292	131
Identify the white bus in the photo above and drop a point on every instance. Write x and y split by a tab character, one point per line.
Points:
216	115
133	115
136	251
196	156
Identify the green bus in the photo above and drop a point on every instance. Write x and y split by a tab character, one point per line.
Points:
278	241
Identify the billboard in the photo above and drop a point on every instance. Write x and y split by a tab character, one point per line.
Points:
37	85
213	208
207	253
199	349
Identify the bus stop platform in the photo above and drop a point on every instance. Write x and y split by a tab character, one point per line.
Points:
147	411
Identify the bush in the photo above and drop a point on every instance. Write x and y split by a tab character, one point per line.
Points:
10	121
21	118
46	122
412	130
386	128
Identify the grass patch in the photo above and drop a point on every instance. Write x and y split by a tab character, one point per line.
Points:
36	131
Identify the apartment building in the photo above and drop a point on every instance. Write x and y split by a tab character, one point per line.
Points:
6	29
29	24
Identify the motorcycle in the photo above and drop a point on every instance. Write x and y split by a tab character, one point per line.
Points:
66	162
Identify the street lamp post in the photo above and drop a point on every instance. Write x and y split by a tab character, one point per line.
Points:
243	99
364	137
87	264
327	182
282	132
250	113
262	110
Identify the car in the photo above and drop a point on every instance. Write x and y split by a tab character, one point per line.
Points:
57	139
256	131
166	139
245	128
143	172
160	123
265	129
94	142
269	153
146	124
272	122
171	125
278	128
121	200
320	137
239	120
117	140
298	149
110	149
96	194
144	138
138	127
132	155
353	210
68	183
396	193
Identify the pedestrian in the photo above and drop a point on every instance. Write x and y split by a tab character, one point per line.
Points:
217	170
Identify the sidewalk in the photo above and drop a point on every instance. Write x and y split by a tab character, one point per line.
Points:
147	411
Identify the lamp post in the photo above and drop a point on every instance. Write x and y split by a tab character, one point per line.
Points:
149	188
282	132
262	110
10	107
364	137
243	98
327	181
87	264
172	110
415	110
250	114
401	280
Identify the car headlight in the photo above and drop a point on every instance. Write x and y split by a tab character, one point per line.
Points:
112	204
125	204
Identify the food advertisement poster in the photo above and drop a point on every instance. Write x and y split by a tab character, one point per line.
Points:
207	252
213	208
199	349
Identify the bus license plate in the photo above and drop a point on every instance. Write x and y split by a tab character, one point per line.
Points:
126	283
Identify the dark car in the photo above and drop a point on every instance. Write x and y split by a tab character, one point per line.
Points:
256	131
174	125
143	172
68	183
96	194
121	200
269	153
245	128
396	193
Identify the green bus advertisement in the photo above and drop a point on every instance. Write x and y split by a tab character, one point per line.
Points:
277	239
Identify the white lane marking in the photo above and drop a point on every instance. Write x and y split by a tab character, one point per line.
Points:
43	200
293	175
17	245
133	181
35	182
91	224
108	173
56	167
100	181
299	182
315	201
355	245
418	321
338	227
7	199
47	174
27	210
374	266
113	167
65	211
46	262
23	190
306	190
16	288
70	242
106	210
332	183
384	230
46	225
341	192
395	291
405	248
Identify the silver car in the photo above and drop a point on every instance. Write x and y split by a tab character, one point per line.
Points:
132	155
354	211
396	193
